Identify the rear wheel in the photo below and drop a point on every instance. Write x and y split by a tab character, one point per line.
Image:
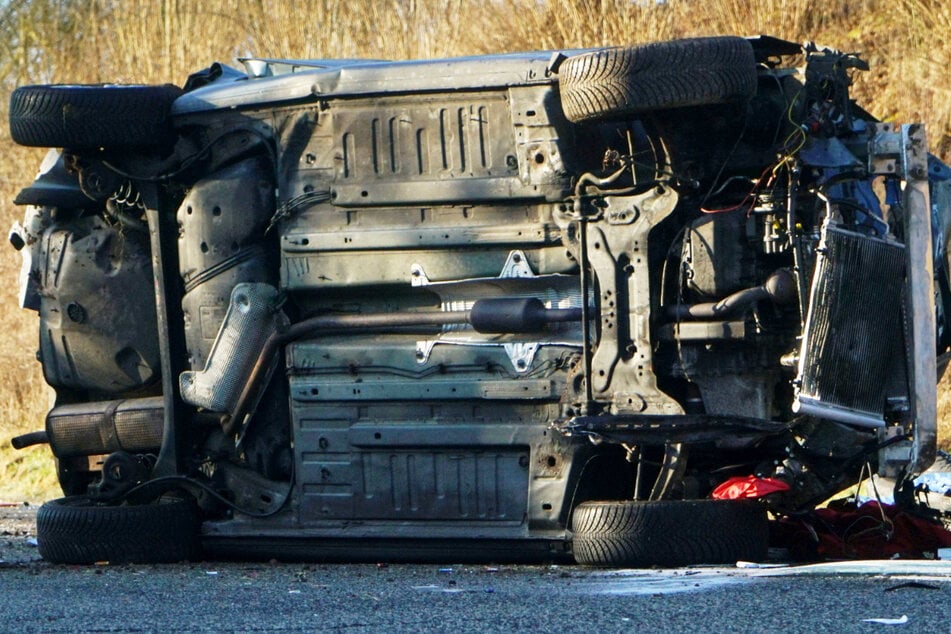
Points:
669	533
77	530
83	117
615	82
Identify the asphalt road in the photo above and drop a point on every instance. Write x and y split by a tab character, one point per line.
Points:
281	597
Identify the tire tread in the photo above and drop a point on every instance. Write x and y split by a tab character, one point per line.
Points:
669	533
91	116
614	82
75	531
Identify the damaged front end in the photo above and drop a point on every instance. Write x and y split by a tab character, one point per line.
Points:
794	318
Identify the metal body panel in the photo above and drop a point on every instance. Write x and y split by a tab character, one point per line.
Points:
387	463
361	77
97	309
329	247
920	284
220	245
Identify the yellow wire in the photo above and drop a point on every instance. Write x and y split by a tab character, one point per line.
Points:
797	130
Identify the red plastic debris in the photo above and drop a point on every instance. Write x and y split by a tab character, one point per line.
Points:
873	530
748	487
869	531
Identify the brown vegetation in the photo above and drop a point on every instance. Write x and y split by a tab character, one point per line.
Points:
158	41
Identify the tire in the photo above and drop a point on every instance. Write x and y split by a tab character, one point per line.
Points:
615	82
669	533
84	117
75	530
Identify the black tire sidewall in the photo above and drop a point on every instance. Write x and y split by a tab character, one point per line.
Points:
616	82
84	117
669	533
77	530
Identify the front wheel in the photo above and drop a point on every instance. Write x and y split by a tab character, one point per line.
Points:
623	533
618	82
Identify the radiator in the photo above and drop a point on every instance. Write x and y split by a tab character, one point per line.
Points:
853	340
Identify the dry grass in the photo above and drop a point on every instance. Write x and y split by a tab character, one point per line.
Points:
157	41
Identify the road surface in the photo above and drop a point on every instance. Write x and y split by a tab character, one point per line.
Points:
286	597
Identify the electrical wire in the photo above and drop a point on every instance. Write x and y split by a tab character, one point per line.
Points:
286	209
798	130
726	161
207	488
787	156
189	161
748	200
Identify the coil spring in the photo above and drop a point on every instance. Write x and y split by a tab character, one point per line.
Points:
128	196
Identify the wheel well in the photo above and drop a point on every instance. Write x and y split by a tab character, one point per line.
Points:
606	475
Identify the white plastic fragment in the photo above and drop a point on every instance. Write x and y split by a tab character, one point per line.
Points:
758	565
880	567
899	621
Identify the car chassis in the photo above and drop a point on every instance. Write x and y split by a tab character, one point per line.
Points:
533	306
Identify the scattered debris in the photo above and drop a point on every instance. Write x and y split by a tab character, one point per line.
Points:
913	584
869	531
452	589
878	567
899	621
748	487
757	565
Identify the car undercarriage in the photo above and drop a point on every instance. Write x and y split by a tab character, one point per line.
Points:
535	306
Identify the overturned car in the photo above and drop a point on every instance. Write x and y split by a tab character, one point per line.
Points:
532	307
